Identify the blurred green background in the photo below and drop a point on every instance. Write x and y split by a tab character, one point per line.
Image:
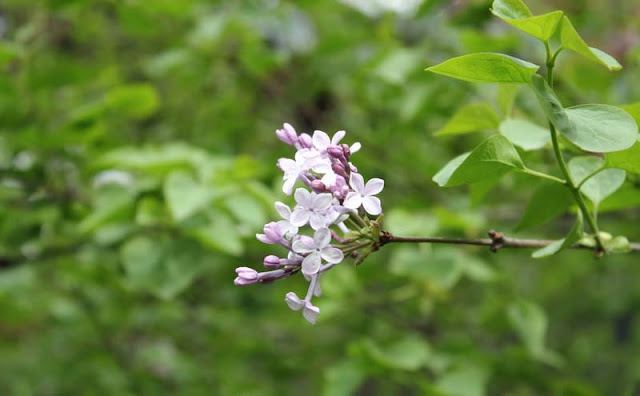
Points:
137	162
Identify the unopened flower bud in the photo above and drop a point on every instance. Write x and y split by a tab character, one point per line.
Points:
305	141
272	234
338	169
271	262
288	134
246	276
335	151
318	186
346	150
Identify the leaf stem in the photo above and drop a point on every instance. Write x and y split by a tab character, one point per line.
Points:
542	175
570	183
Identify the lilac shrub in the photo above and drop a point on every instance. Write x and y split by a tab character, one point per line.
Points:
332	199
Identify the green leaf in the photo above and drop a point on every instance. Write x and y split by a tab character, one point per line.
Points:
601	128
582	167
574	235
530	322
471	118
220	234
134	101
628	159
597	128
551	105
464	380
408	353
634	110
570	39
184	195
343	378
506	97
603	184
487	67
490	160
548	201
150	211
517	14
141	258
525	134
163	158
510	9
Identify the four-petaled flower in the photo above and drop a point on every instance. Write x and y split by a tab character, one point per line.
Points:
317	249
311	208
363	195
288	229
323	165
309	311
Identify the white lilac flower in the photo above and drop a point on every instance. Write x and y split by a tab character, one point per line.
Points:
287	229
309	311
363	195
317	250
311	208
293	169
321	142
287	134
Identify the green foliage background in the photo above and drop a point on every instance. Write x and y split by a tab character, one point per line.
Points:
137	161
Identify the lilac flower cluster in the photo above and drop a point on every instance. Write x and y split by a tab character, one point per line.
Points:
335	196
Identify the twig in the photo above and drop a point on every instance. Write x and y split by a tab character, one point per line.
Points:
496	241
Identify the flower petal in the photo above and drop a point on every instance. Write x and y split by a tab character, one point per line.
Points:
317	220
311	264
293	301
283	210
332	255
337	137
303	197
300	217
287	165
374	186
302	246
372	205
310	313
353	200
321	201
320	140
355	147
322	238
264	239
356	181
287	187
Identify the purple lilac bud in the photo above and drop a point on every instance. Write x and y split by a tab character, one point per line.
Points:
305	141
271	262
318	186
346	150
335	151
288	134
272	234
338	169
246	276
341	188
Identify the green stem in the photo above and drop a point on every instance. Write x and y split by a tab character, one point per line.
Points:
542	175
570	183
